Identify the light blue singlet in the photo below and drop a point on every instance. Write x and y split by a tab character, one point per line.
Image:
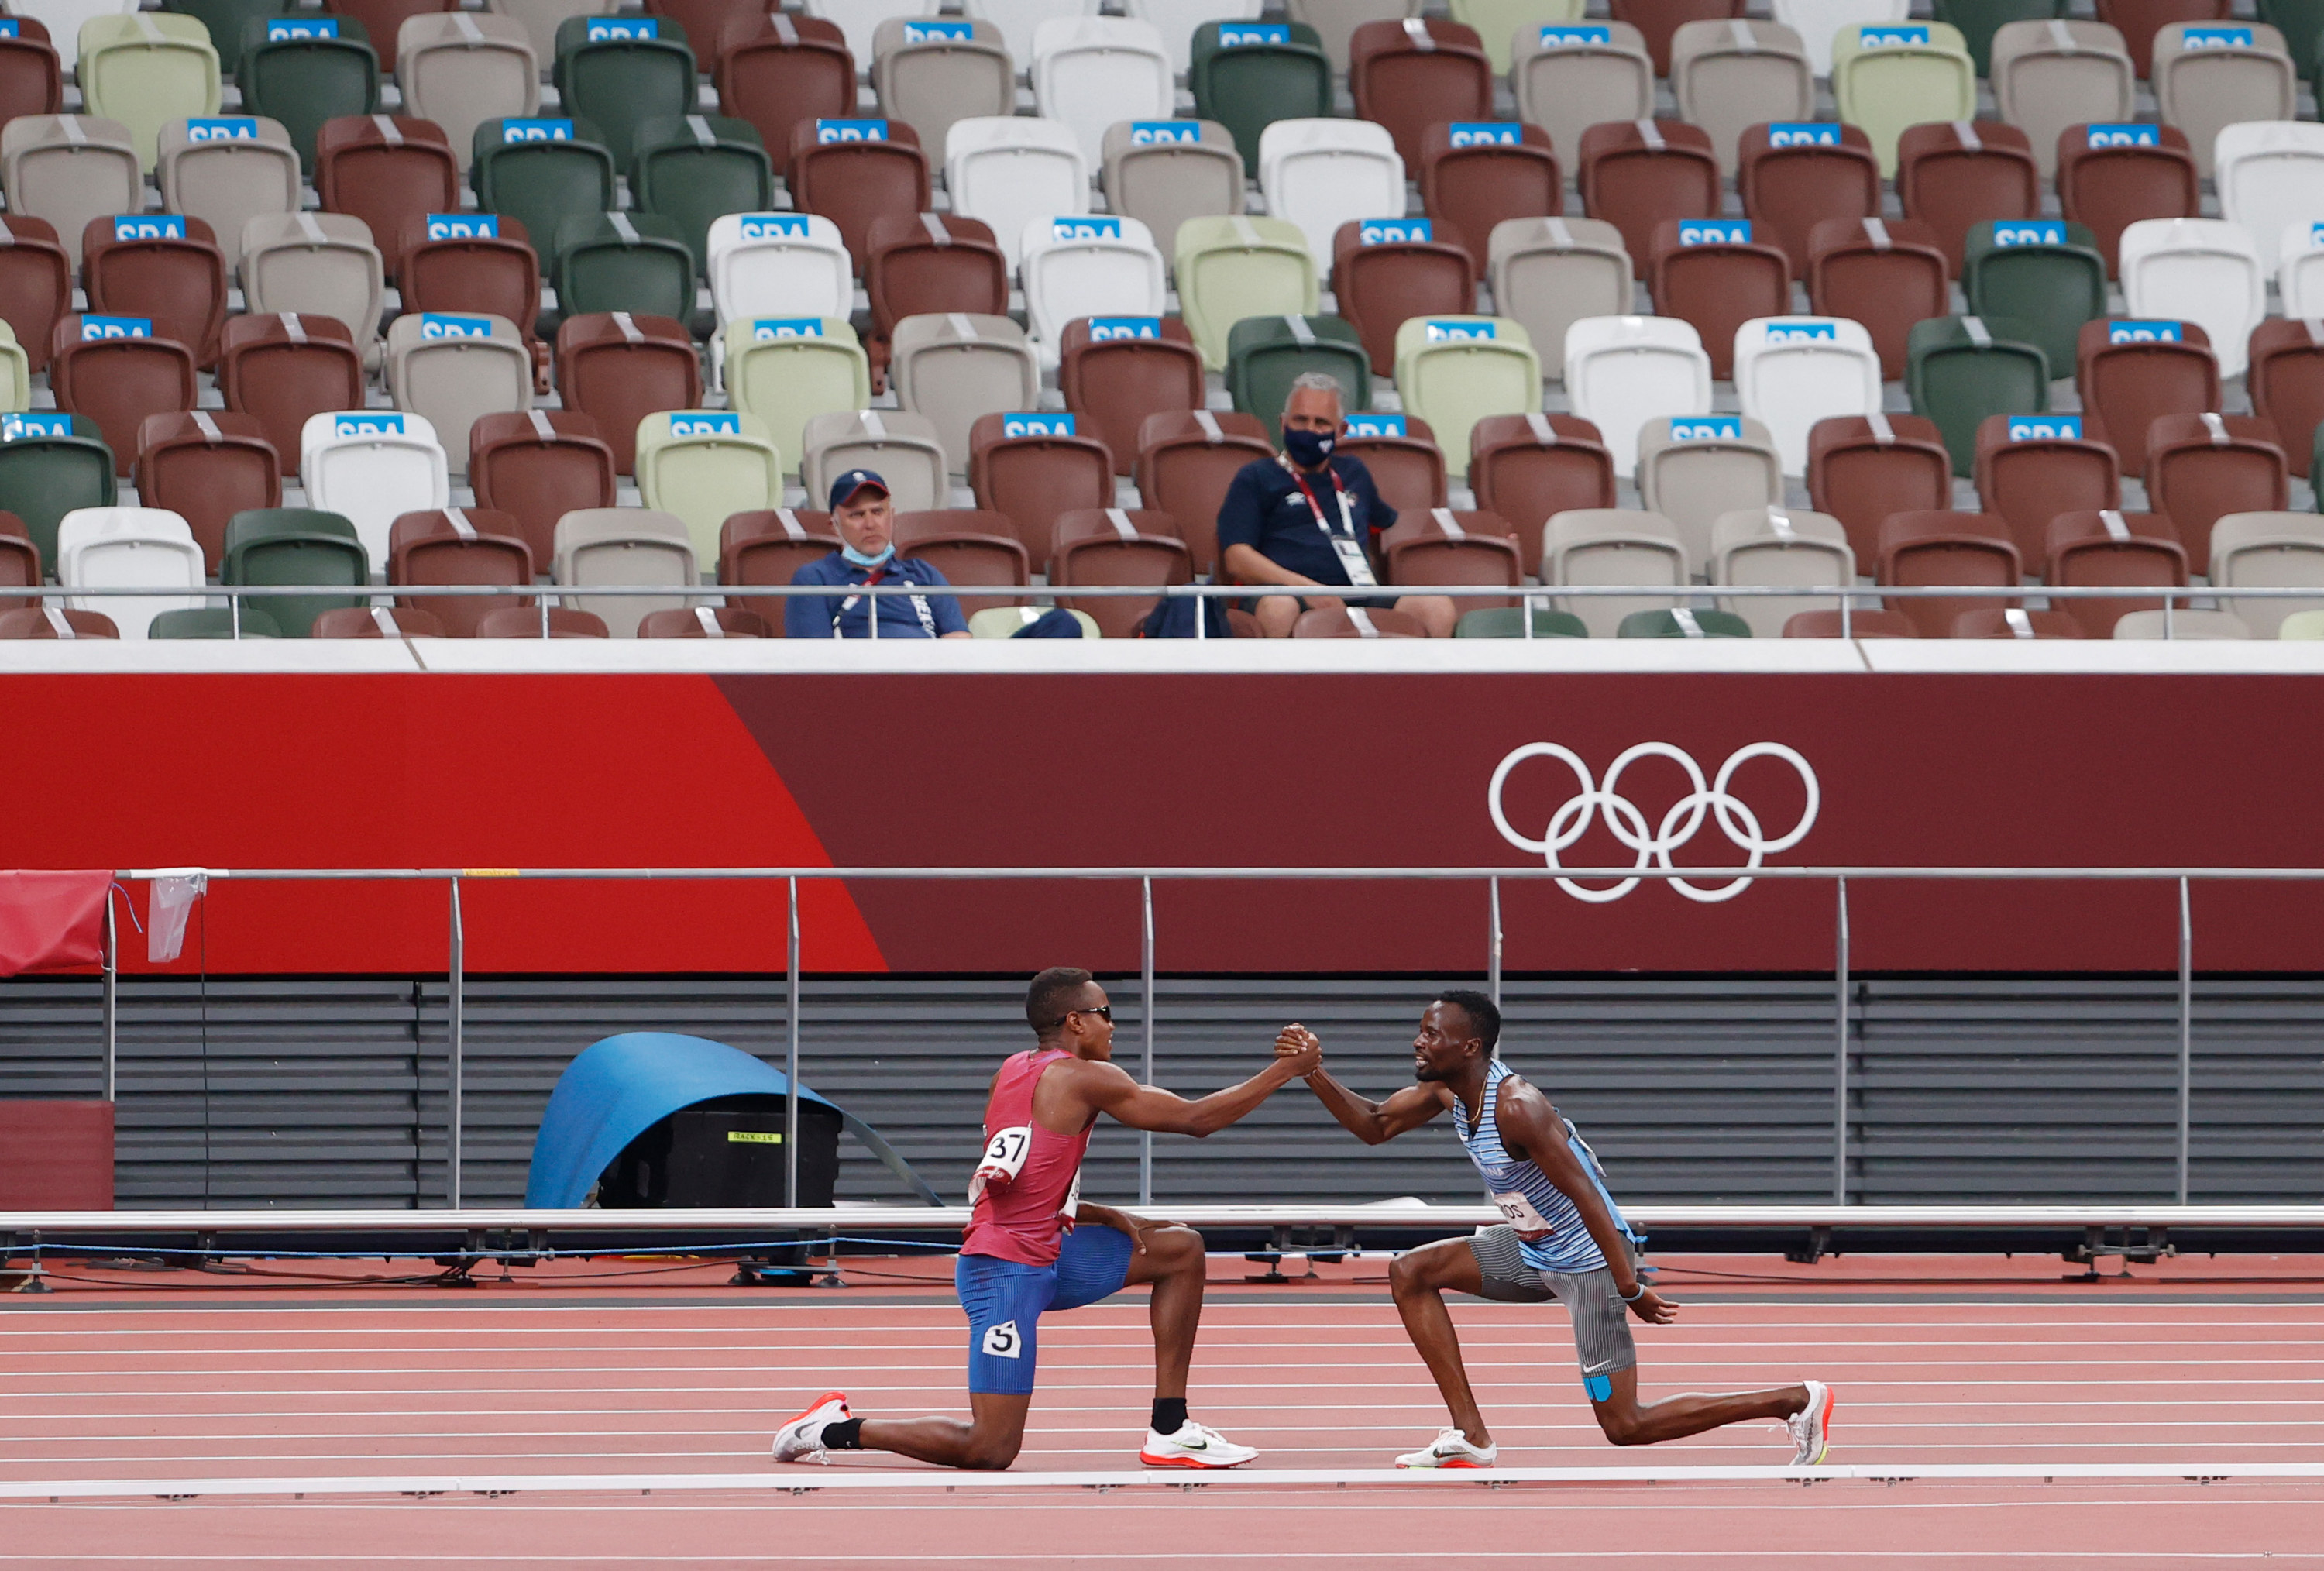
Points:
1548	1225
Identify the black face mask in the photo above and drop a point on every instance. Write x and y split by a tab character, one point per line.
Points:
1307	448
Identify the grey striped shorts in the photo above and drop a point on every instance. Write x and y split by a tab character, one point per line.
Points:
1601	1321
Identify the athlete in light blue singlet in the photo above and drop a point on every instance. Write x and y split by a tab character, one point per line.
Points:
1565	1238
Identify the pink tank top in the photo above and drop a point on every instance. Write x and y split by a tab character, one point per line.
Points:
1028	1182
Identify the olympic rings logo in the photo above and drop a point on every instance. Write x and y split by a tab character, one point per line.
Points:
1653	845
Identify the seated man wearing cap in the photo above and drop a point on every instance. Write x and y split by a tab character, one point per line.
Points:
866	521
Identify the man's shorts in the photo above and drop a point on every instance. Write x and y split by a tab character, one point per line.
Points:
1601	1321
1004	1299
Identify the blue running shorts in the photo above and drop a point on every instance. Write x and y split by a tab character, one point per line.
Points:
1005	1297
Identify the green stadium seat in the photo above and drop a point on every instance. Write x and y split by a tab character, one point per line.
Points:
2050	275
542	172
1248	75
304	69
1683	623
624	262
213	621
1961	369
1979	20
695	169
226	21
49	465
1507	622
295	547
1265	354
620	71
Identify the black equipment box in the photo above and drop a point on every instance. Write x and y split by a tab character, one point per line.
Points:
725	1153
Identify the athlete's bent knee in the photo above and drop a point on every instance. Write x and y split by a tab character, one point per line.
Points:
1622	1426
1413	1272
990	1454
1178	1247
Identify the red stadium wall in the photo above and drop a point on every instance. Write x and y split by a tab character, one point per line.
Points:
887	769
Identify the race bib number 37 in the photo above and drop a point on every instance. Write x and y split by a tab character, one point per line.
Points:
1003	1159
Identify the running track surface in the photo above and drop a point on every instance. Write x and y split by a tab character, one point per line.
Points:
120	1376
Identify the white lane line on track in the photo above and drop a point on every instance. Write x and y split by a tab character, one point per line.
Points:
1052	1337
1652	1355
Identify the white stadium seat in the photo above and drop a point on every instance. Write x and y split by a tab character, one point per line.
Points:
1177	19
1621	372
1007	170
1766	546
1090	265
371	466
1092	72
2300	269
2270	175
2204	271
1816	20
768	265
1019	19
1791	372
129	548
1320	174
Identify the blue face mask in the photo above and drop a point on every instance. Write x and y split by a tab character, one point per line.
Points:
1307	448
861	560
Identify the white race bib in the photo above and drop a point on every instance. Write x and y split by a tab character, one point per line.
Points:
1003	1159
1531	1226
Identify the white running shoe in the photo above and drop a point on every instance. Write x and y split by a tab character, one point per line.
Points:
1451	1449
1193	1446
800	1439
1810	1426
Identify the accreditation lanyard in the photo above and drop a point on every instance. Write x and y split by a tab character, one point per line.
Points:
871	611
1353	560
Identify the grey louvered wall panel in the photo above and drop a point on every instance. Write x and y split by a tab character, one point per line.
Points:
332	1093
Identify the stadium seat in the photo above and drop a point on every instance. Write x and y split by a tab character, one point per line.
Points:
619	368
1162	172
1410	74
631	261
32	76
2301	23
783	71
1981	21
303	548
623	547
1728	75
1951	550
1866	622
542	621
764	264
2182	625
387	171
2051	76
227	171
959	365
1187	459
2030	468
785	370
1319	174
2110	177
1454	371
1235	267
51	622
456	545
1385	272
1333	23
379	622
2204	271
1623	371
1571	76
703	465
1887	77
116	370
49	465
145	69
1092	266
315	264
2302	625
1009	620
163	266
454	370
15	372
1430	548
704	622
1953	175
1696	468
1527	469
1794	176
924	264
371	466
1008	170
1266	354
1549	273
1114	547
476	263
969	547
2286	383
1819	22
383	20
1034	468
206	466
2266	550
1885	273
696	169
281	369
2300	269
541	18
2128	373
215	621
1357	622
1114	372
1961	369
900	447
540	172
1248	75
1091	72
129	548
617	72
2270	175
1400	451
1612	546
1019	20
1496	22
2208	76
931	71
460	68
303	69
1715	274
1512	624
769	547
2201	468
2140	19
2088	549
65	170
1475	177
1770	546
1634	174
2046	273
536	467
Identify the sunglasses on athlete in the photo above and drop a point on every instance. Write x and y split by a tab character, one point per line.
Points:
1103	1009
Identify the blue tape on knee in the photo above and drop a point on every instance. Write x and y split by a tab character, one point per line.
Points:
1600	1387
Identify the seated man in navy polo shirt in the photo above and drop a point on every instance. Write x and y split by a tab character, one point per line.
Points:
866	521
1306	517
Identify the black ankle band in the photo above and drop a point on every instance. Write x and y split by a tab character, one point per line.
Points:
1170	1415
844	1435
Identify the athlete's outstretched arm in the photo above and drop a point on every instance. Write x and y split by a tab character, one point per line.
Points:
1372	1123
1528	1123
1110	1091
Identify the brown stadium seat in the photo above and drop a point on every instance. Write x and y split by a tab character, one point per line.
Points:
1385	623
1942	547
383	19
1862	469
458	545
2108	187
2286	383
1031	479
618	368
538	464
781	69
1524	467
1470	184
2201	468
176	281
2087	549
1114	380
1868	623
36	284
1788	190
20	562
2030	478
2140	19
386	169
768	547
1383	282
1696	273
1433	547
1886	274
705	23
697	621
376	621
282	368
206	466
856	184
970	547
42	623
1407	467
32	77
919	263
1950	182
1658	21
494	275
528	623
1187	459
2007	622
1635	173
118	382
1109	546
2129	378
1411	74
